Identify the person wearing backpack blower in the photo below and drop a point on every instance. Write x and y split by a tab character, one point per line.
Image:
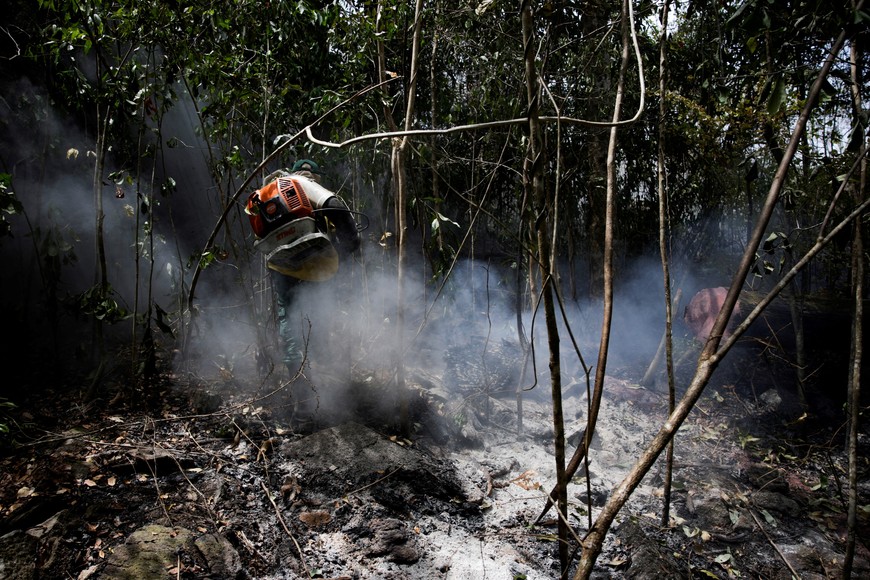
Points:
304	230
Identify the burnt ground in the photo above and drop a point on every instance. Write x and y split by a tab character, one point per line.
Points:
212	479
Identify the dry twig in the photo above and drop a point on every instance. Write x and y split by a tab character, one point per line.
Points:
286	529
779	553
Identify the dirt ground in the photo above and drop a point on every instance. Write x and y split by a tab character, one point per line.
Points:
212	480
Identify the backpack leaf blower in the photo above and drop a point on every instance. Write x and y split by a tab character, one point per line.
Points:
282	217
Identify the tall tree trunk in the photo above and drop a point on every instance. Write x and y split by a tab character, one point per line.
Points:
665	253
533	170
857	348
595	19
582	449
399	159
854	399
101	277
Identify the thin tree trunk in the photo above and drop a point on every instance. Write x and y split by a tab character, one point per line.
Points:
857	349
534	166
649	376
664	251
519	304
792	293
399	162
854	404
607	269
433	113
101	274
595	17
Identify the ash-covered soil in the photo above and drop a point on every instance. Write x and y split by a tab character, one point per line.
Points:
215	480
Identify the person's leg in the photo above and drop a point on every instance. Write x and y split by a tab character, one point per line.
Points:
291	333
289	330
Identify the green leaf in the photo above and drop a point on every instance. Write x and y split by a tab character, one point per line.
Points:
746	439
752	44
734	516
161	320
691	532
738	14
444	219
777	97
168	187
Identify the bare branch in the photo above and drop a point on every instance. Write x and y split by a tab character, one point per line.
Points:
505	122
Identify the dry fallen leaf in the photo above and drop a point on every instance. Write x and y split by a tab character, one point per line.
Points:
617	561
88	572
25	492
524	480
291	488
265	448
315	518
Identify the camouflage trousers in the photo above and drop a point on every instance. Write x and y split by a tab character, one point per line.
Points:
286	290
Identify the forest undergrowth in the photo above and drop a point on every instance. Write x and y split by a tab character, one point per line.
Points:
758	486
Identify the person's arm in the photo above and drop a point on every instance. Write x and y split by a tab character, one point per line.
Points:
332	208
337	212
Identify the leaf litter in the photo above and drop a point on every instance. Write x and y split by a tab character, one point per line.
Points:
751	498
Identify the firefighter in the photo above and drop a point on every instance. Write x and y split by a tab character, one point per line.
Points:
336	220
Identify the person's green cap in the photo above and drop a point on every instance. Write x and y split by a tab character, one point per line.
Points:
306	165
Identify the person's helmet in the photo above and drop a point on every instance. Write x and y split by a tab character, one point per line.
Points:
307	165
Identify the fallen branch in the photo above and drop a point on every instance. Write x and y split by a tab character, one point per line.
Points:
773	545
375	482
286	529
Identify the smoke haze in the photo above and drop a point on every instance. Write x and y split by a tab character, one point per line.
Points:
232	325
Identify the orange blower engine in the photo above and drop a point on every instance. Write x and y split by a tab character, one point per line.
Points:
282	217
275	204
